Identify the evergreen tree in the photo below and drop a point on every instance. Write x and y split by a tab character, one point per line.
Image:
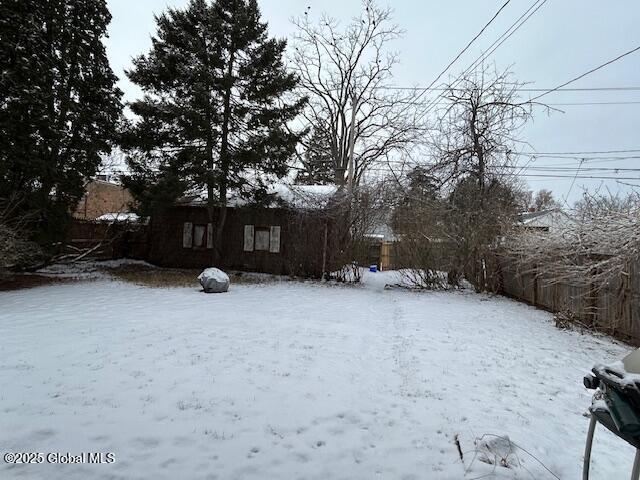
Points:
59	106
419	202
215	108
317	163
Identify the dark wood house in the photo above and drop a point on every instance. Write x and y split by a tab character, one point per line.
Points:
283	241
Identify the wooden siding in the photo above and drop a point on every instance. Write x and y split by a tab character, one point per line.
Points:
299	250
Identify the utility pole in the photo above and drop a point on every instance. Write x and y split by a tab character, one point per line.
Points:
352	138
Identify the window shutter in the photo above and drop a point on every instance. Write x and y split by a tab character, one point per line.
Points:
187	235
274	243
209	235
248	238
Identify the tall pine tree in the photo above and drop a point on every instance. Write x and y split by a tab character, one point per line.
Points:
317	162
59	106
216	106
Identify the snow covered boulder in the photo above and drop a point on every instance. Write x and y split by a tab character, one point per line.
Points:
214	280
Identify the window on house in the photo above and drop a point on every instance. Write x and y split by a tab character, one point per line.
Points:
264	239
199	235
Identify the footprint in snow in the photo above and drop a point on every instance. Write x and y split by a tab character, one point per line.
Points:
146	442
253	452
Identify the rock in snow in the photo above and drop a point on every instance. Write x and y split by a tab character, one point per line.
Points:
214	280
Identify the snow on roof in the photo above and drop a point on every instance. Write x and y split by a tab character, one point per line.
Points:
544	219
526	217
297	196
118	217
304	196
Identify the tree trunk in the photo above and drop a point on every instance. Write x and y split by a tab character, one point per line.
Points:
224	158
339	177
210	180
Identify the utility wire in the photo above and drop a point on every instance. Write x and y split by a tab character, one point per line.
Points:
571	169
629	52
463	50
569	104
524	89
581	153
534	175
575	157
583	160
469	44
514	27
444	101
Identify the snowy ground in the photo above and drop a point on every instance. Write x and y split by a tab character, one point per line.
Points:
292	380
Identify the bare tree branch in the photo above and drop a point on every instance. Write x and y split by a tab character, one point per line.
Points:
342	69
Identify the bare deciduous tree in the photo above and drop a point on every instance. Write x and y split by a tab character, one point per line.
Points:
544	200
346	73
477	129
473	147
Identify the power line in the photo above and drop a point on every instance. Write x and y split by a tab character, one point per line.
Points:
596	177
444	101
514	27
582	157
389	164
535	175
578	160
609	62
592	103
633	150
571	169
573	183
585	89
524	89
470	43
544	168
464	49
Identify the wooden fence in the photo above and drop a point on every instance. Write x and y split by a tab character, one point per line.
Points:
117	240
613	308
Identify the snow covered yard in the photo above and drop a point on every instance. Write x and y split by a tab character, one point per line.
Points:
292	380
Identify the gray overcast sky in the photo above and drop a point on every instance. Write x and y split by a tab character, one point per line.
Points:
562	40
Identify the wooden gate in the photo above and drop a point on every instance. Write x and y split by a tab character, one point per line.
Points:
385	256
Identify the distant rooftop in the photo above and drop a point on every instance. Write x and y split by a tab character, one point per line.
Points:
528	216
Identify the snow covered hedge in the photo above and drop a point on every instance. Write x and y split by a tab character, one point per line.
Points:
594	249
15	250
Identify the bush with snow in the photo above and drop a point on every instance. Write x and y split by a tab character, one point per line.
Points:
16	251
214	280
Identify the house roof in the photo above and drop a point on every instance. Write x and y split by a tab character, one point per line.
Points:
118	217
526	217
546	217
304	196
297	196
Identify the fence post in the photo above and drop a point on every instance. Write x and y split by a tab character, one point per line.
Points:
324	250
593	302
535	284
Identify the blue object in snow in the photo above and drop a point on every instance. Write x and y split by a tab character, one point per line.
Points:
373	268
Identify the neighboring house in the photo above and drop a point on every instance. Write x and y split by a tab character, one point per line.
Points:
102	198
545	220
292	237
